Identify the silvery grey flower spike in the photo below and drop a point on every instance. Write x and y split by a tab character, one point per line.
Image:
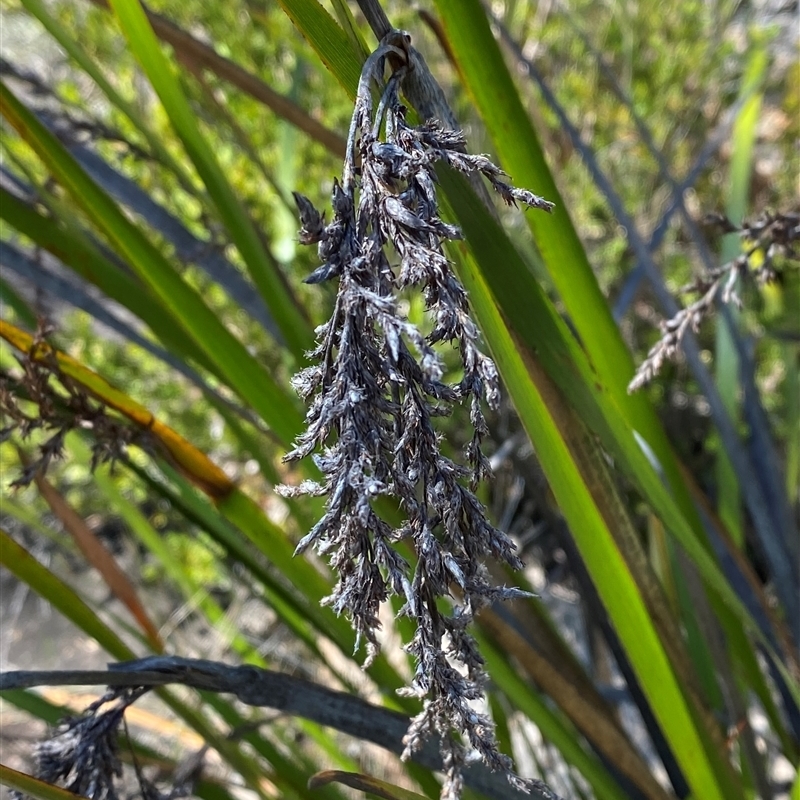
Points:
374	393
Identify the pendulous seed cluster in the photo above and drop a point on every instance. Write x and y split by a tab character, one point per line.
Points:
374	393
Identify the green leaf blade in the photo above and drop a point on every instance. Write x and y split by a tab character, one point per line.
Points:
226	353
262	268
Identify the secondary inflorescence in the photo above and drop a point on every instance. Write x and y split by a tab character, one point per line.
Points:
770	246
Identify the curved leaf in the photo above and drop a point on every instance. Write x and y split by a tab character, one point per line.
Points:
364	783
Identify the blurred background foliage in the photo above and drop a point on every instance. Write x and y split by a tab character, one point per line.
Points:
655	92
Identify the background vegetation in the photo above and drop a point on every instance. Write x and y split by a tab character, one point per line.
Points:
145	197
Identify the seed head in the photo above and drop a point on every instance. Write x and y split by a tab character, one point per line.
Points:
374	394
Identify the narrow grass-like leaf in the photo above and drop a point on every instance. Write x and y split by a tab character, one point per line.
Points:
27	569
243	373
490	85
86	259
10	297
575	474
35	705
188	247
345	17
725	359
100	558
262	268
791	393
328	39
31	517
33	787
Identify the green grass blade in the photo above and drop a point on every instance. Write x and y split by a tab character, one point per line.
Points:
330	42
243	373
345	17
71	46
31	518
77	252
726	360
9	297
573	472
35	705
33	787
791	392
262	268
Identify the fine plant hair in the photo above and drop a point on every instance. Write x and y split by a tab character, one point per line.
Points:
771	245
374	394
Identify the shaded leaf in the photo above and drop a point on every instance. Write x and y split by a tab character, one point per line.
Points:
365	783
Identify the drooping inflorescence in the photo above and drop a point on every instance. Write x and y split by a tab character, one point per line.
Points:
374	393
